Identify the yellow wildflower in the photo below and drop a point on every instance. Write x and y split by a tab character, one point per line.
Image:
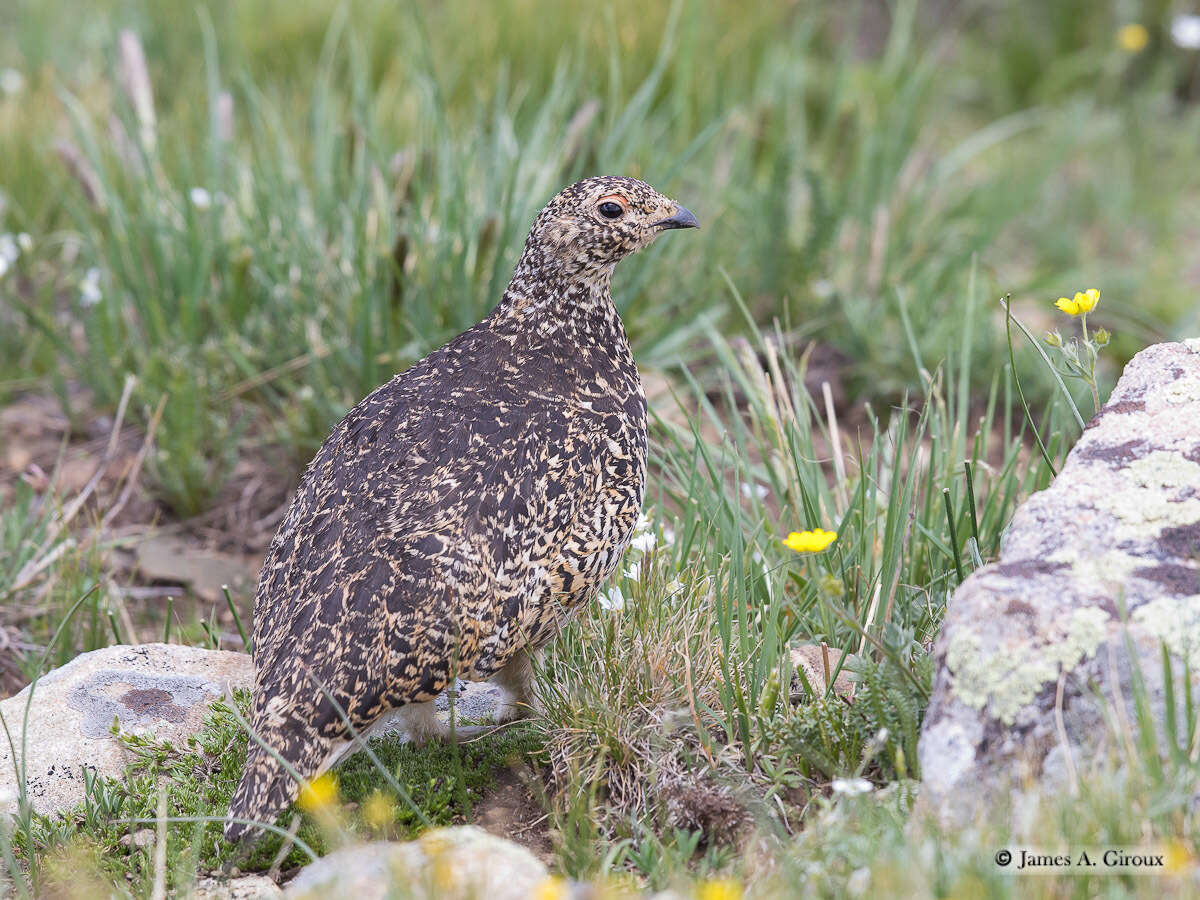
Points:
1179	859
318	794
810	541
719	889
552	888
1082	302
379	811
1133	37
443	874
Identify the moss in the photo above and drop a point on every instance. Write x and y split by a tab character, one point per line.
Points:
200	779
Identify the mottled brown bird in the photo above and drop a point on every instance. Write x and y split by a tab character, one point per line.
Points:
462	512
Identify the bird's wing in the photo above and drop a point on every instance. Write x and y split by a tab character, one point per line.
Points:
417	497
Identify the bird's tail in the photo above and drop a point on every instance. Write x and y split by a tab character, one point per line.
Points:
267	787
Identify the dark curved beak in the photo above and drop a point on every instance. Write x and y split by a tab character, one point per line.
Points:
682	218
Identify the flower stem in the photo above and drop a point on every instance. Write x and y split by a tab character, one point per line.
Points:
1091	368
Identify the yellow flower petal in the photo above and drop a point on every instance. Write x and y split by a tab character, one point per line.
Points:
552	888
1088	299
810	541
1133	37
1178	858
719	889
1070	307
379	811
318	794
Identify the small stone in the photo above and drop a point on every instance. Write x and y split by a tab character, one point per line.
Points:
810	658
446	863
143	837
248	887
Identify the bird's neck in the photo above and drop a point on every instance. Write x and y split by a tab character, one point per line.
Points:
550	303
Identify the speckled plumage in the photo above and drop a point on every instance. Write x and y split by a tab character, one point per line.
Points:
459	514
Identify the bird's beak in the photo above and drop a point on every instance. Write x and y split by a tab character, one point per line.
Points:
682	218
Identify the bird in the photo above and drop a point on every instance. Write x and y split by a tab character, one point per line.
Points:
461	513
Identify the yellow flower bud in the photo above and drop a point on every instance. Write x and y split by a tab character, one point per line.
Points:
1102	337
1133	38
1053	339
379	811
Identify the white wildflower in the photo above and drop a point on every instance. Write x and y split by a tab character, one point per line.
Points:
10	250
755	490
1185	32
11	81
634	572
200	197
89	288
613	600
674	586
25	242
823	288
852	787
643	523
668	537
644	542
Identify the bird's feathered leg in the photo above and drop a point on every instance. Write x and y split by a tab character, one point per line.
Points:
515	681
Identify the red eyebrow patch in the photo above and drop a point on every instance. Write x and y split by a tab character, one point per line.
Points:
616	198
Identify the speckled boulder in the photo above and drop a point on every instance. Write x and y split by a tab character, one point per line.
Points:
159	689
446	863
1113	544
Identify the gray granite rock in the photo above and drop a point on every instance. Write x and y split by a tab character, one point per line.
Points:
148	689
474	701
462	862
1111	548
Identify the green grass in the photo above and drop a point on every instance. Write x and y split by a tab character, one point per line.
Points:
870	182
201	777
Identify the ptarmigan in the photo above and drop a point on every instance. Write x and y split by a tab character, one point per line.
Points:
459	515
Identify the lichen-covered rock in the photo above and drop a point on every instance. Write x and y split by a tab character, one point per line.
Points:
149	689
1113	544
446	863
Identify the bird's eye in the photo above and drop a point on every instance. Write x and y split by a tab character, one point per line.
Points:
611	210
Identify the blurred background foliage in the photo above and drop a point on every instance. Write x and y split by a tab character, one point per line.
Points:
328	191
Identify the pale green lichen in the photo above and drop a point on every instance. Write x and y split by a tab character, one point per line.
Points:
1007	678
1176	622
1173	393
1144	495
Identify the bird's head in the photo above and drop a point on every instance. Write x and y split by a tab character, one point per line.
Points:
592	225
